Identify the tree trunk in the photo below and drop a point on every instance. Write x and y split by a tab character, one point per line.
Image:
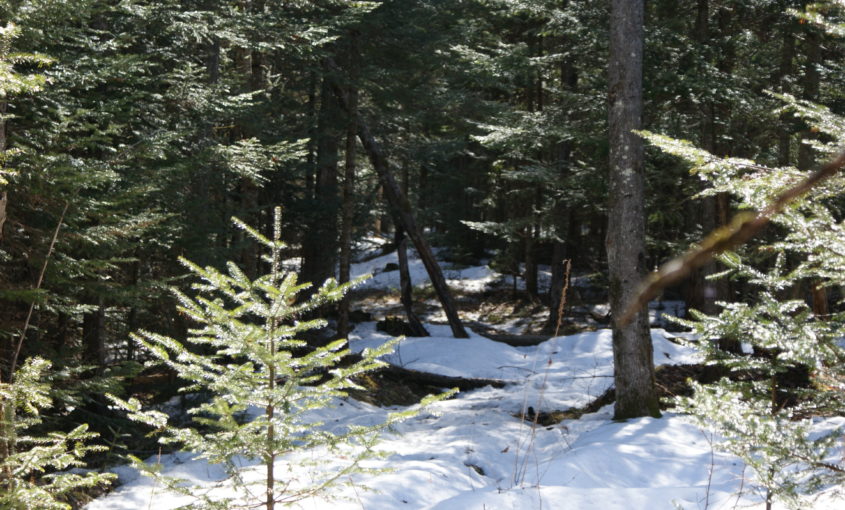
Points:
625	241
787	54
404	217
531	269
563	214
4	196
405	284
250	256
212	63
810	84
700	293
417	329
7	409
93	336
320	241
347	203
310	160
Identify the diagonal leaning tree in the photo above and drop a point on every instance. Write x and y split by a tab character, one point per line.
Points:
401	210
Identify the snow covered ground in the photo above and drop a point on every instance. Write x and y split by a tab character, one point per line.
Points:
473	452
469	279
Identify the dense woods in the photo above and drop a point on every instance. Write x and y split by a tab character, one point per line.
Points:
528	132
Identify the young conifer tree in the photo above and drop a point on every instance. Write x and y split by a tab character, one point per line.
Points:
771	407
262	382
768	410
33	467
35	470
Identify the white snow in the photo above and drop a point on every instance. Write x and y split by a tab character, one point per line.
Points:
470	279
474	453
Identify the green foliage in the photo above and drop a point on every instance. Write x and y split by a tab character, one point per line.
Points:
13	83
244	352
792	371
769	406
37	471
766	406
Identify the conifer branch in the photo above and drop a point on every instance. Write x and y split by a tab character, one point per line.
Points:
743	227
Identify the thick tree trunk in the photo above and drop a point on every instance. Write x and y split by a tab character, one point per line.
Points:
625	241
404	217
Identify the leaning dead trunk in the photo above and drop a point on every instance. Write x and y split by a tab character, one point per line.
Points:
404	217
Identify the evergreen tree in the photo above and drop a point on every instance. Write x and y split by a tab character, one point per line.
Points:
249	329
37	471
767	407
33	467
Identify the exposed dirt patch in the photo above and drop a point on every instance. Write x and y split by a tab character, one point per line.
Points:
382	389
395	326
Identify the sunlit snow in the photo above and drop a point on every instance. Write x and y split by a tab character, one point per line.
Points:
474	453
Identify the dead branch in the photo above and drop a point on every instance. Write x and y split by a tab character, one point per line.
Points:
743	227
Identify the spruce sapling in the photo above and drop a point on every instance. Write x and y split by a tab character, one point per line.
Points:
263	382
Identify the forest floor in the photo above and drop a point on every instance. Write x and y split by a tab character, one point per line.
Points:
545	440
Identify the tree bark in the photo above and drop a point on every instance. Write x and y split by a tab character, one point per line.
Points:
93	336
787	54
625	241
564	215
810	84
4	196
405	285
347	210
310	160
404	217
701	292
320	242
531	269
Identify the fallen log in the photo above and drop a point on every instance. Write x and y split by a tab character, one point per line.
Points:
519	340
440	381
393	385
507	338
